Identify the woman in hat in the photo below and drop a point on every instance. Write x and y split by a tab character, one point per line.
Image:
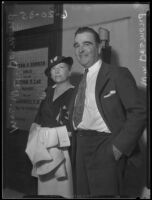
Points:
48	141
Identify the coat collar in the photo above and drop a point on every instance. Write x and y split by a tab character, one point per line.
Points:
103	76
102	79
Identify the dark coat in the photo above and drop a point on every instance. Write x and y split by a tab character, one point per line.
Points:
122	111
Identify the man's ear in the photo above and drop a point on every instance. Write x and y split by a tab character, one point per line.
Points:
99	49
69	73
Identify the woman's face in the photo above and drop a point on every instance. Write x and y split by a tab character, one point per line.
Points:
60	73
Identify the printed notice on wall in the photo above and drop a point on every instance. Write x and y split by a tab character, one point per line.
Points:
26	83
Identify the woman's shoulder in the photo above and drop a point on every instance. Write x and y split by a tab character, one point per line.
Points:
71	88
49	89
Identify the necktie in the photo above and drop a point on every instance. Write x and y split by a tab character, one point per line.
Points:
80	99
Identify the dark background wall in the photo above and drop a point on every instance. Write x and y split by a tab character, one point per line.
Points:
16	164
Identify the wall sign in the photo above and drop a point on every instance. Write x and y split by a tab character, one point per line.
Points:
26	85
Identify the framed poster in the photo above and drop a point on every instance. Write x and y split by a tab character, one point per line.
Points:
26	85
33	35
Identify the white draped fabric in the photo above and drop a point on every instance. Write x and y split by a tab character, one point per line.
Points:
47	148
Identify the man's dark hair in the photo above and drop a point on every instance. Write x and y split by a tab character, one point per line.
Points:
90	30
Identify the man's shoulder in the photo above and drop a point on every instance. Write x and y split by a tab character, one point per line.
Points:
114	67
117	70
121	73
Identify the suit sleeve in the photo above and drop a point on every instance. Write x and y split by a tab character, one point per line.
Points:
135	122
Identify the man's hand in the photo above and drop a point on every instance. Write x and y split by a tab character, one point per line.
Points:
116	152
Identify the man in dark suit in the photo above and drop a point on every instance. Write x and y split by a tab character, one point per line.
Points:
113	119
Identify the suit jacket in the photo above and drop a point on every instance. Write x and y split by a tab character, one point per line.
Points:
121	109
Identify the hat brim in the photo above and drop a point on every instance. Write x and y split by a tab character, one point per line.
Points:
67	60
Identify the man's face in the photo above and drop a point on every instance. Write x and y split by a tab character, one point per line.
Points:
86	49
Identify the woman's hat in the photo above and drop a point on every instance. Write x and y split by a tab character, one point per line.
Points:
58	59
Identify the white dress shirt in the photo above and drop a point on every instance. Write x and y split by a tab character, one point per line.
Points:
92	119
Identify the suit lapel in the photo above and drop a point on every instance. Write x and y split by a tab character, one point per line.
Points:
102	78
71	106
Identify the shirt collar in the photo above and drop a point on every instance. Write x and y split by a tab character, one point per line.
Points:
94	67
70	86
